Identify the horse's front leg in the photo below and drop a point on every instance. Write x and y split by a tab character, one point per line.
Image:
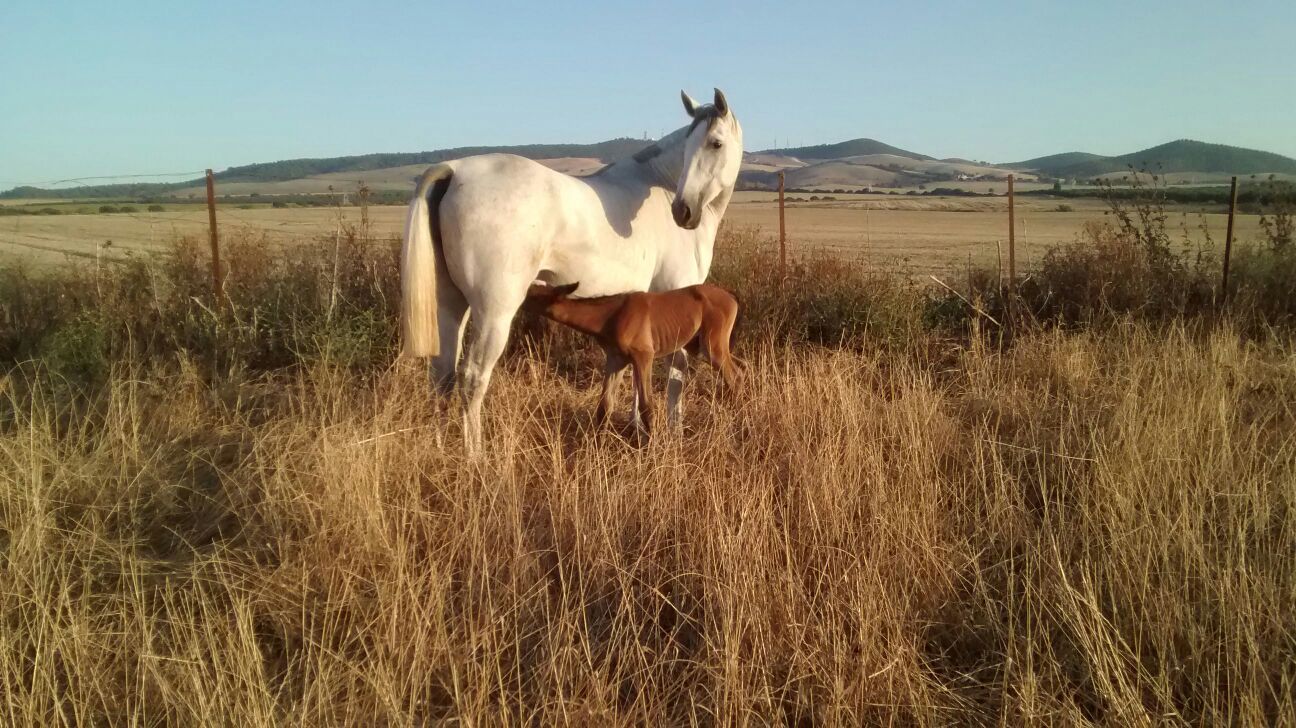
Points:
675	389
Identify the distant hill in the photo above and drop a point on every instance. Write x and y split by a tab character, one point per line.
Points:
1184	155
607	151
852	148
291	169
853	164
1056	161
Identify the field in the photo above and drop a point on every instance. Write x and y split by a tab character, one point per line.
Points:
891	232
250	511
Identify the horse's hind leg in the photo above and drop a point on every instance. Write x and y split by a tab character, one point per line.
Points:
483	352
452	315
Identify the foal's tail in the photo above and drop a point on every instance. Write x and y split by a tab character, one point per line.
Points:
418	264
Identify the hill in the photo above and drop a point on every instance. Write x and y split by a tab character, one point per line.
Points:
293	169
855	164
1055	161
606	151
852	148
1181	156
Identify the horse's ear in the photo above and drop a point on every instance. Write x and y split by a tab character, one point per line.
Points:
721	105
565	290
690	106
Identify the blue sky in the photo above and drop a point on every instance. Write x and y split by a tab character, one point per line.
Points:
104	88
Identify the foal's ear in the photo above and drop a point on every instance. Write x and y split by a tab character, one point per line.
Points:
721	105
565	290
690	106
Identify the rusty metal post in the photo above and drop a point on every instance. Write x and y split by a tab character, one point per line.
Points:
1012	252
218	280
1228	243
782	233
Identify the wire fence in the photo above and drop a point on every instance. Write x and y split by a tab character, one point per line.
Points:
133	222
110	217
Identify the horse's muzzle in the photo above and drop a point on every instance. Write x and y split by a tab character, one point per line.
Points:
682	214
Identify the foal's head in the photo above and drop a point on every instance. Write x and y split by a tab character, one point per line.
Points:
540	296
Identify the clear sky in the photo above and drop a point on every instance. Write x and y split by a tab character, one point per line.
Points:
114	88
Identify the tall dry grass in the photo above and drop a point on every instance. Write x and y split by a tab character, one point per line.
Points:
1092	527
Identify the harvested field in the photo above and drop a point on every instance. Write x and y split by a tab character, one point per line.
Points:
891	232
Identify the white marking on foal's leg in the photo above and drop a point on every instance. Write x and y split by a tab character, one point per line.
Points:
635	420
675	388
484	351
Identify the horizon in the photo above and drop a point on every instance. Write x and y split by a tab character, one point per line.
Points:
242	84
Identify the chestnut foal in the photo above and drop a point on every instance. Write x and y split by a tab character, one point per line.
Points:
635	328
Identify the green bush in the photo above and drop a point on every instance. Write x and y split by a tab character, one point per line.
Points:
156	208
823	300
108	209
78	349
1129	264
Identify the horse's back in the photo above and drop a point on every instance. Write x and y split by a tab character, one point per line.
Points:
715	296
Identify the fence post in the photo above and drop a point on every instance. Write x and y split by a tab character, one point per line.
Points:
1228	243
1012	254
782	233
218	280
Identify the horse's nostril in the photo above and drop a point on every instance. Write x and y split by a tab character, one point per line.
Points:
682	213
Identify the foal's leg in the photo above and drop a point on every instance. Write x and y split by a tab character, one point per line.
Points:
675	387
720	357
612	371
642	390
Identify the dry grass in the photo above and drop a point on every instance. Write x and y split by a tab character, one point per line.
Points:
1092	527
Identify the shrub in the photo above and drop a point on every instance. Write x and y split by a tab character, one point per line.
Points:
108	209
78	350
128	209
156	208
824	300
1064	208
1277	225
1126	265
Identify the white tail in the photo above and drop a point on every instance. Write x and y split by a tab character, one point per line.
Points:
418	270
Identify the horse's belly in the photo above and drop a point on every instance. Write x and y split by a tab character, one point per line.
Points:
602	267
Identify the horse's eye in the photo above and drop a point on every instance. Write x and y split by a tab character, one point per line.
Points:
717	144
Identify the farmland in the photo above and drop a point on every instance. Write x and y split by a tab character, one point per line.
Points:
891	232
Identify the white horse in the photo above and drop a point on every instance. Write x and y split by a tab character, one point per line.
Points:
481	229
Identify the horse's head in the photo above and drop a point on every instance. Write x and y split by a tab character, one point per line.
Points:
712	157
